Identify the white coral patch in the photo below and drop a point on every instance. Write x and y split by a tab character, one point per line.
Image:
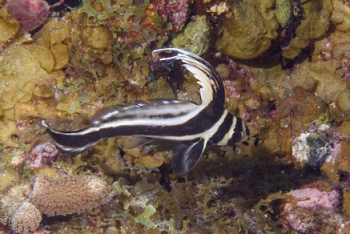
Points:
219	8
315	147
301	150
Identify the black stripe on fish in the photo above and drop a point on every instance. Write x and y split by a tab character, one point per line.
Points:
222	131
192	125
239	125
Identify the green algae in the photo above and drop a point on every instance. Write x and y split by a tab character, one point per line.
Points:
88	9
195	37
144	218
283	11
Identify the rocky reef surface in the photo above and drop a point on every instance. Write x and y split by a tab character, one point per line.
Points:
285	66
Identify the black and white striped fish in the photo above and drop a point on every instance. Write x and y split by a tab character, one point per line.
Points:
192	126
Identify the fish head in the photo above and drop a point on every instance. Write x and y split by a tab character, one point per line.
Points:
240	132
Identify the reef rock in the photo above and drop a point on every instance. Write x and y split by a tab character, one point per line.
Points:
248	29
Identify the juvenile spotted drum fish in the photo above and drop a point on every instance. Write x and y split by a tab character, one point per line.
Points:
190	125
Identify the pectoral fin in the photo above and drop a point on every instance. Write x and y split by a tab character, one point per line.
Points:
186	156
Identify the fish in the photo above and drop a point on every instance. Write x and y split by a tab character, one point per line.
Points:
191	126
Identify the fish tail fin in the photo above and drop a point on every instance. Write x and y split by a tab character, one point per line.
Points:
74	142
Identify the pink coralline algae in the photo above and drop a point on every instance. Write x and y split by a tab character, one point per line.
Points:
30	13
42	155
177	12
313	198
230	88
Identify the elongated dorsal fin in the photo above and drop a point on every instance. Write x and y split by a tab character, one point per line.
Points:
209	80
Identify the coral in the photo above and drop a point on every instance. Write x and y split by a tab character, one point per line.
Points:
26	219
195	37
151	162
283	11
305	106
177	12
8	178
315	147
219	9
68	194
119	36
300	214
97	37
343	100
97	54
30	13
24	79
248	30
316	221
314	25
10	201
144	218
312	198
346	200
42	155
8	27
340	16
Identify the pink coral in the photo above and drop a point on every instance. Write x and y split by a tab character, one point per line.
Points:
177	12
230	88
311	199
314	198
42	155
30	13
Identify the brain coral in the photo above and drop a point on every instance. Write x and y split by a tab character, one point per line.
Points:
27	218
68	194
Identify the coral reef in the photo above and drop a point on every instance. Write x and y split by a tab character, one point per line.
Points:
248	29
195	37
314	198
68	194
177	12
310	204
285	67
8	178
10	201
42	155
30	13
316	146
26	219
315	23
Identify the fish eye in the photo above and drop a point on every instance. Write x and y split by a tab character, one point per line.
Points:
235	138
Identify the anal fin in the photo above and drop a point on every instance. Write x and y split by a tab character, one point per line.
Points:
132	141
186	156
